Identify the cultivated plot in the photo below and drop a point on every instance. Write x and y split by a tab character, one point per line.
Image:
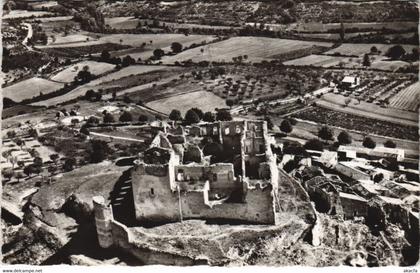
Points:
30	88
67	75
206	101
407	99
255	49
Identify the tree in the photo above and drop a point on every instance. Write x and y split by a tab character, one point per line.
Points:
314	144
28	170
21	164
175	115
191	117
126	117
176	47
342	32
54	158
158	53
37	162
378	177
230	102
395	52
223	115
209	117
373	50
369	143
11	134
290	166
366	60
108	118
92	120
19	142
127	60
143	118
8	173
326	133
84	130
344	138
98	151
270	124
19	176
90	94
286	127
69	164
74	122
390	144
84	76
105	56
347	101
198	111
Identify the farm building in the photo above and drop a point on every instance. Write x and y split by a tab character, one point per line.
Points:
376	153
350	82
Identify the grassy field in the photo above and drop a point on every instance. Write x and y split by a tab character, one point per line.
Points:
316	27
15	14
29	88
68	74
327	61
206	101
407	99
122	22
317	60
256	49
361	49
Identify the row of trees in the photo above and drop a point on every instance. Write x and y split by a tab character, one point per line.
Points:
195	115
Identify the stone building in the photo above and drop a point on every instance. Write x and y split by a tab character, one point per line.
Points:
222	171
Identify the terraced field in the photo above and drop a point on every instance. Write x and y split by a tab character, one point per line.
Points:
256	49
407	99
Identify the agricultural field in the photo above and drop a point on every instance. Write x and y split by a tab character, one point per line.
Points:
17	14
206	101
318	27
361	49
67	75
358	123
122	22
318	61
407	99
256	49
328	61
27	89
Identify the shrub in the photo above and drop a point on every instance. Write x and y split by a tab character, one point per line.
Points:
191	117
326	133
369	143
286	127
390	144
175	115
126	117
223	115
314	144
344	138
209	117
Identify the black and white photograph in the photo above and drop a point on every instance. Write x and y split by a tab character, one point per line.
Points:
210	134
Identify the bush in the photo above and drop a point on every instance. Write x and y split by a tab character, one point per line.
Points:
390	144
143	118
191	117
314	144
126	117
98	151
326	133
108	118
286	127
175	115
223	115
209	117
369	143
344	138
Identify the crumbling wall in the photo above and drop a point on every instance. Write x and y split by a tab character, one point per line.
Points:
353	207
103	218
153	197
256	208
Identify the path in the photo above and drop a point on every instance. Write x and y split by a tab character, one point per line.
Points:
111	137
